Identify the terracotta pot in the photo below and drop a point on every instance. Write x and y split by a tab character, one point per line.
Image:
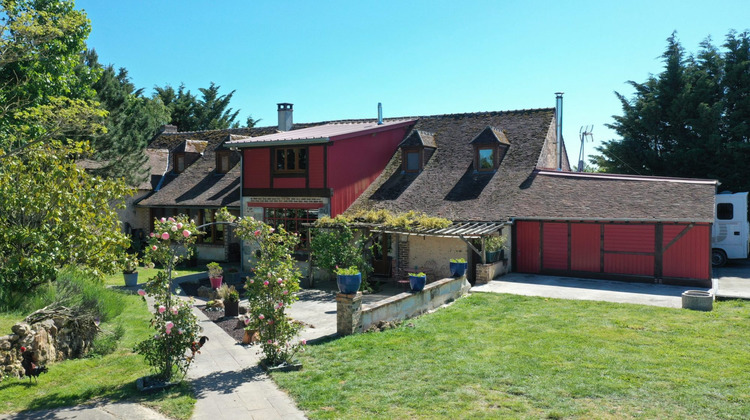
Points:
251	336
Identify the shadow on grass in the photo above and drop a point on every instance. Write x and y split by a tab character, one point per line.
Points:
44	407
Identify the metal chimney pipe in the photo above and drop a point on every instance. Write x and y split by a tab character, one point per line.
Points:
285	110
380	113
558	118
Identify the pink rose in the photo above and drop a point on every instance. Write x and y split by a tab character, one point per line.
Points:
271	230
252	281
265	283
261	316
179	331
168	331
270	322
171	219
174	228
174	310
257	232
179	225
304	342
186	233
247	321
141	292
162	308
169	325
153	247
279	281
165	236
152	234
285	292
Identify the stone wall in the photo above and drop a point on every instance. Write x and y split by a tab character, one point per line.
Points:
435	253
51	340
487	272
353	317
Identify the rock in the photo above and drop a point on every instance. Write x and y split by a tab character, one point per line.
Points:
206	292
5	343
21	329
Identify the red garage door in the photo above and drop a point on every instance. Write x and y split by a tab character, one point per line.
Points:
674	253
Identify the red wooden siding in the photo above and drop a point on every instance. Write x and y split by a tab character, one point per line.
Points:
629	238
354	163
686	257
585	247
527	247
555	246
289	182
673	253
316	167
257	168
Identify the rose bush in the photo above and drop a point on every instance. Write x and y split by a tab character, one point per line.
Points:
272	289
176	327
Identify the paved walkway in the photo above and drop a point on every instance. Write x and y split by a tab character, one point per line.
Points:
733	280
587	289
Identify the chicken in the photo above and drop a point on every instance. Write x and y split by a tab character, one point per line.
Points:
30	369
196	347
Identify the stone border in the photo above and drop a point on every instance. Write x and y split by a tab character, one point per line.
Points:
353	317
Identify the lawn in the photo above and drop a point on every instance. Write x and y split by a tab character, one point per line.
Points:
111	376
490	356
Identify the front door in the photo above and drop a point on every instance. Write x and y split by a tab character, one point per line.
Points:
381	262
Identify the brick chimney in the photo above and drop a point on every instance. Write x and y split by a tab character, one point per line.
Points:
285	116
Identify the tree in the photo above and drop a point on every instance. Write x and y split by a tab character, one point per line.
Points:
209	112
54	214
41	80
688	121
131	121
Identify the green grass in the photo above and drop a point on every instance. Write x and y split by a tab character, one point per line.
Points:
504	356
111	377
144	274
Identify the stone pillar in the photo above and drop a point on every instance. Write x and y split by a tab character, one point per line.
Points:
483	274
348	313
403	254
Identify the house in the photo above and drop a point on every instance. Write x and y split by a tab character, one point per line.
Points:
507	172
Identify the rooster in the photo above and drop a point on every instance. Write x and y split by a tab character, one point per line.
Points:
30	369
196	346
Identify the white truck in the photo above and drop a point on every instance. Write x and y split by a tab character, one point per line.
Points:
730	235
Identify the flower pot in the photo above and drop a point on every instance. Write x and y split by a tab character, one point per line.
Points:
492	256
458	269
231	308
131	279
250	337
216	282
349	284
417	282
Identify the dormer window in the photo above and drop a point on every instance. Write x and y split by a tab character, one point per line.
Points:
179	162
490	147
416	149
222	162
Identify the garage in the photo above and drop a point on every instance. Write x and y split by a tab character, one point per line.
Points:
659	252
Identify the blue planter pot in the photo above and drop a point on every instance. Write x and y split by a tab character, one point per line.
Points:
492	256
349	284
417	282
458	269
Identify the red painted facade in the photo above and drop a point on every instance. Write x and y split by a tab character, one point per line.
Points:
354	163
339	169
670	252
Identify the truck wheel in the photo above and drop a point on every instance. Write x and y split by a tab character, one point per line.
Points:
718	258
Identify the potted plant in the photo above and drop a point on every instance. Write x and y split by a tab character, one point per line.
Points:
494	248
417	281
130	270
348	279
232	302
458	267
215	274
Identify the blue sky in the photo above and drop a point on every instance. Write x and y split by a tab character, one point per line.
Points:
338	59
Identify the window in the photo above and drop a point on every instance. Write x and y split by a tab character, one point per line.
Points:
290	159
725	211
214	233
486	159
291	220
412	161
179	162
222	162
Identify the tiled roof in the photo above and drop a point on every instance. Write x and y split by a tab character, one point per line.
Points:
490	135
419	138
561	195
448	186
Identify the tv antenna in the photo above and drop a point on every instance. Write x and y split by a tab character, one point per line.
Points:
584	133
